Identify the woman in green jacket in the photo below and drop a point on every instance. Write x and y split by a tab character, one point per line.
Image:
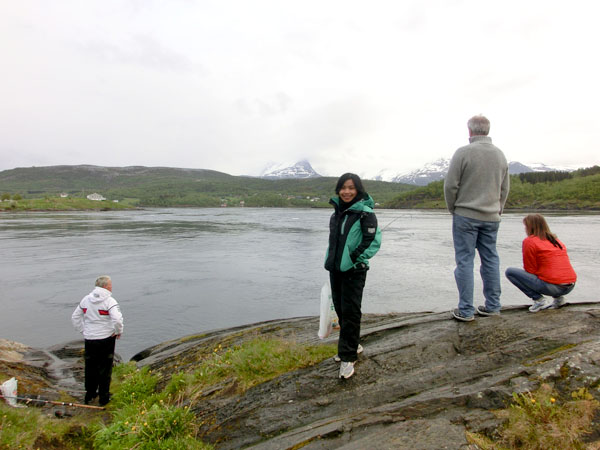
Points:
353	238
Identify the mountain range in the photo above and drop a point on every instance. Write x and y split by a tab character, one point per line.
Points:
433	171
301	169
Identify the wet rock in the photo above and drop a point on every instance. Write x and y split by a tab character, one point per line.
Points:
55	373
422	381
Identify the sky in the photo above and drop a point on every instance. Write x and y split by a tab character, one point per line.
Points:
353	86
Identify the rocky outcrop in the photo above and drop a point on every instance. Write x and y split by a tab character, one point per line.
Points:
421	382
55	373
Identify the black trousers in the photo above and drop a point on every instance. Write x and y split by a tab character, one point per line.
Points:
346	292
99	355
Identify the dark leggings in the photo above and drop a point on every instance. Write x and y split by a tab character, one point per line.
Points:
346	292
99	355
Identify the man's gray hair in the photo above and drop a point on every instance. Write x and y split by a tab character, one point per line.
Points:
102	281
479	125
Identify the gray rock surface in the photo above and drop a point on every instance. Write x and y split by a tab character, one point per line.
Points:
422	381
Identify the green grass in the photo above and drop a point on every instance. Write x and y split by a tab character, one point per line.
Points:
60	204
541	420
581	192
257	361
28	428
236	369
143	415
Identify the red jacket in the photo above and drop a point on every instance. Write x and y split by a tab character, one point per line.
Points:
551	264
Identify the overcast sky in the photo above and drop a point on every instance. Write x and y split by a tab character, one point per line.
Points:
350	86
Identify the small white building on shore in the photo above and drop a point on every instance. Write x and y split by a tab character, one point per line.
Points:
96	197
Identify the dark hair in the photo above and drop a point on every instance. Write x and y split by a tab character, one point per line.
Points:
361	193
536	225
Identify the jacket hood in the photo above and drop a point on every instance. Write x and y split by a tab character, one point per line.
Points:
367	201
99	295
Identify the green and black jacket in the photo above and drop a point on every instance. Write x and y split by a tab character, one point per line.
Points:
354	236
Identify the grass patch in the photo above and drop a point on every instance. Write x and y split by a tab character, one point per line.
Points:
540	359
141	415
192	337
246	365
541	420
29	428
61	204
145	418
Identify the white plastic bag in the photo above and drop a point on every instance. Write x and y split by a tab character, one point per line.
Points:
328	317
9	391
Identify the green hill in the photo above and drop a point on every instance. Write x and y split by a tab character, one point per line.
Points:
164	186
579	190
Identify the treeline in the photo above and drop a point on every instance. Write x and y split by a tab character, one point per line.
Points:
579	191
545	177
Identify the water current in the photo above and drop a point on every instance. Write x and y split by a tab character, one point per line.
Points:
184	271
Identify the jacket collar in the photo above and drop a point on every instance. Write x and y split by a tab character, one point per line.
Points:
478	138
358	206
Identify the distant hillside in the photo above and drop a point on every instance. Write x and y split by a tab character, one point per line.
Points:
86	177
166	186
578	190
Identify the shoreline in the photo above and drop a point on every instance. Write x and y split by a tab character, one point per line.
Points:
591	211
419	371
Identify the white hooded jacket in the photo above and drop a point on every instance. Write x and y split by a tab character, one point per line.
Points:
98	315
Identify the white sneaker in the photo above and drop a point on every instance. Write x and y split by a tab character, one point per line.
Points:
559	302
541	303
346	369
359	350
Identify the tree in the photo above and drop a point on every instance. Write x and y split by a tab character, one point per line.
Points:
5	196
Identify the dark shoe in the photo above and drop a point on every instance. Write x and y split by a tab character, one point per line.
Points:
458	316
483	311
104	400
89	398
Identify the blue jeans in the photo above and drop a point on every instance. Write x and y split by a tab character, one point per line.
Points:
468	235
533	287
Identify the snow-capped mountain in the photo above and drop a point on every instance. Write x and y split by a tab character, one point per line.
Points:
433	171
437	170
541	167
301	169
515	168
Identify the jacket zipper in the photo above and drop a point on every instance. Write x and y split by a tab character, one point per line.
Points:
342	229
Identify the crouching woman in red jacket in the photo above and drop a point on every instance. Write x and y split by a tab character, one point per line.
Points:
548	270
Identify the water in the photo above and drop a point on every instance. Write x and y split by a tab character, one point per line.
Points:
183	271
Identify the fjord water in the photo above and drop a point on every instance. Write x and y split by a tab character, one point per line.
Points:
185	271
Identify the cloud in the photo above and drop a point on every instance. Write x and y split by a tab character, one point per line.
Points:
230	86
268	106
143	50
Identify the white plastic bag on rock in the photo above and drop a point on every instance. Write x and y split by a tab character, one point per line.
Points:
328	317
9	391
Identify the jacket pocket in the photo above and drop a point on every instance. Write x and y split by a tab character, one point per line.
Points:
346	262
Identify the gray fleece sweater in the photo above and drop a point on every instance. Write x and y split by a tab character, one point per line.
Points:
477	183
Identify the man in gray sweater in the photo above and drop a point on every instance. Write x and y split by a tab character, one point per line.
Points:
476	189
